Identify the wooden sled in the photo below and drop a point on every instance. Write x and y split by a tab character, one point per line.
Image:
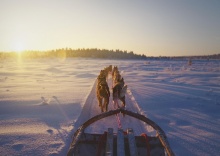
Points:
122	143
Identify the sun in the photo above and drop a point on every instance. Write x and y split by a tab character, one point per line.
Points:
18	47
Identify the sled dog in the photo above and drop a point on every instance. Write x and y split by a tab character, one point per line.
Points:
119	91
102	92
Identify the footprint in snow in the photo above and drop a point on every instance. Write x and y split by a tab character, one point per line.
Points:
50	131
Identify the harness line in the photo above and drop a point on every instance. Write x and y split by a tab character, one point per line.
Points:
117	116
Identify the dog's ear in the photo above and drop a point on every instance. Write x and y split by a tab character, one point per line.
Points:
101	72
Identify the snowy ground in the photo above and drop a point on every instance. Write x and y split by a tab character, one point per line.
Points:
43	101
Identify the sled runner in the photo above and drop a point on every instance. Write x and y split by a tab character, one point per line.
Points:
122	143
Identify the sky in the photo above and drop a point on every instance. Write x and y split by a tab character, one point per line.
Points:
150	27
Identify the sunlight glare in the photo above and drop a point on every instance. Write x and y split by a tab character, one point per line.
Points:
19	47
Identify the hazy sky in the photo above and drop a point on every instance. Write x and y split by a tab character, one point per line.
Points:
151	27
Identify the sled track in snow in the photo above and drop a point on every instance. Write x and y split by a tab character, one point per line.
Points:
91	109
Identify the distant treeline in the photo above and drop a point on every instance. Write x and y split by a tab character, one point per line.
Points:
68	53
199	57
94	53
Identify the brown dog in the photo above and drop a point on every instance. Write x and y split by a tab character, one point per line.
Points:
116	77
102	92
107	70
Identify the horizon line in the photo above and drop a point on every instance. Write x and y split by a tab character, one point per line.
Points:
114	50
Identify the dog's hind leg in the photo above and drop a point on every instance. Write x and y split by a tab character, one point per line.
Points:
106	102
115	102
123	101
101	106
100	103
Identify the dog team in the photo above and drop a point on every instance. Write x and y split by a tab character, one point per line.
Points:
102	89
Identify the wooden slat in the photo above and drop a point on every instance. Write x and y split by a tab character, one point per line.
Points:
132	142
109	142
120	143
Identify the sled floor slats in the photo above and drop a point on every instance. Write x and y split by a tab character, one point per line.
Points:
120	143
132	142
109	142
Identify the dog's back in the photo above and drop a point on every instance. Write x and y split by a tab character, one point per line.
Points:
119	91
103	90
102	85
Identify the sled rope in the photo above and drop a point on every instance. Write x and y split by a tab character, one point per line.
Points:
117	117
119	121
116	106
